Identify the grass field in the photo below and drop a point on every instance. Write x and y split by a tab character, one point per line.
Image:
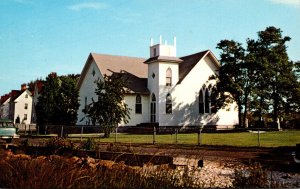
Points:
267	139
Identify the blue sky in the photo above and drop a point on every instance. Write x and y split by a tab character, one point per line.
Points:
42	36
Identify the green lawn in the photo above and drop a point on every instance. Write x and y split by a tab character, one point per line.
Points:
267	139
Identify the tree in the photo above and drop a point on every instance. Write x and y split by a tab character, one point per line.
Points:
276	74
232	84
58	103
259	79
109	110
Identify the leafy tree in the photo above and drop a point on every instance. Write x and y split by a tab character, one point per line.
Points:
58	103
261	78
109	110
232	82
276	74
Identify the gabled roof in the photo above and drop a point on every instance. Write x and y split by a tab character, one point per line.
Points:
108	64
4	98
190	61
136	70
14	94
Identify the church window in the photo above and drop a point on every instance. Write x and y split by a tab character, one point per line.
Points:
153	75
201	102
138	104
169	77
26	106
168	104
154	52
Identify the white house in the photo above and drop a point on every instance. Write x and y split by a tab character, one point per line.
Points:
20	105
163	89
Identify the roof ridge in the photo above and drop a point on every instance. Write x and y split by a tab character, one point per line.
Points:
205	51
103	54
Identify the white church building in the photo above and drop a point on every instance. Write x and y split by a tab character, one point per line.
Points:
163	89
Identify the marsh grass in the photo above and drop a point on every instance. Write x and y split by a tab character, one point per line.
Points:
23	171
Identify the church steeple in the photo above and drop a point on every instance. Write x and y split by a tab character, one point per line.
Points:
161	49
163	52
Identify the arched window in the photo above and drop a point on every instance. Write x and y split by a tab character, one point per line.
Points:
201	102
138	104
153	109
168	104
207	101
169	77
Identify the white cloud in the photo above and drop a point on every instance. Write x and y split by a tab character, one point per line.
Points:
92	5
294	3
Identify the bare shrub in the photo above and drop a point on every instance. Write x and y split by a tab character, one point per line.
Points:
255	177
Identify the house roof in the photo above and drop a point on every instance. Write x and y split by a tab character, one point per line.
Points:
108	64
136	69
14	94
133	65
4	98
190	61
134	84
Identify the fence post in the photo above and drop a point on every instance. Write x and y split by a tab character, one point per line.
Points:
25	130
176	133
154	134
199	136
62	131
258	138
81	133
116	131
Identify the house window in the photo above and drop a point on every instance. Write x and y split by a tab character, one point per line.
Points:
26	96
26	106
169	77
138	104
25	116
168	104
201	102
153	109
207	101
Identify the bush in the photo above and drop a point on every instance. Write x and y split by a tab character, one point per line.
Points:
89	144
57	144
256	177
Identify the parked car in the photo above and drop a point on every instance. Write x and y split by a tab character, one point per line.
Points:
8	131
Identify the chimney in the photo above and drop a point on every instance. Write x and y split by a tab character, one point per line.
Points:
23	87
